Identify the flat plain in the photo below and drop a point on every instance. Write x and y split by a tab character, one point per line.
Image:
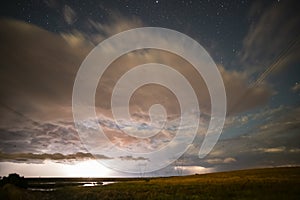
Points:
269	183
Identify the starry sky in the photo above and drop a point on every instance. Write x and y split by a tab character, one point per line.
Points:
255	45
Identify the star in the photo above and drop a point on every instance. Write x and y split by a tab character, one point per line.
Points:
157	2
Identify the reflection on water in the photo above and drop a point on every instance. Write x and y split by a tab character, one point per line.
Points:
42	189
90	184
108	182
52	186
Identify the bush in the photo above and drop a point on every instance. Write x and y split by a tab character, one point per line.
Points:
14	179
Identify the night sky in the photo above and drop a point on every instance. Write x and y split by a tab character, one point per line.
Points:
255	45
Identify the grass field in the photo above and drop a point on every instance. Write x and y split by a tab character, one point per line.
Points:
273	183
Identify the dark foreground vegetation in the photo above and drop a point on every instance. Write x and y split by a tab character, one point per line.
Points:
275	183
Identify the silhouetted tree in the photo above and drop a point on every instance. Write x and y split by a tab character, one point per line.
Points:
14	179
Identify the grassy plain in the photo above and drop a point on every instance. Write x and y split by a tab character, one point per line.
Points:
272	183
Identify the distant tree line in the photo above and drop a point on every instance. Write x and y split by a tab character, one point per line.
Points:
14	179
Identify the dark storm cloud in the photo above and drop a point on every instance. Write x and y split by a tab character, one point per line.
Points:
37	77
39	158
34	143
42	138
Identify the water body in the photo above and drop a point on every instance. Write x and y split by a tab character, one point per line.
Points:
54	186
46	185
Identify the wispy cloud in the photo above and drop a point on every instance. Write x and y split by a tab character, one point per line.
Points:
296	87
275	33
132	158
215	161
272	150
69	14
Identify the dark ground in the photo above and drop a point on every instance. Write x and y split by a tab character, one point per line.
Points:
273	183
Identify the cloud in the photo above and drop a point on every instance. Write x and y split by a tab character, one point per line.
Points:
240	96
43	138
216	161
274	31
269	139
273	142
296	87
47	63
295	150
132	158
265	113
51	3
31	157
69	14
39	68
44	65
116	24
272	150
97	32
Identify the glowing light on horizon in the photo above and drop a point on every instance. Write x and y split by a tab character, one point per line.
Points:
86	168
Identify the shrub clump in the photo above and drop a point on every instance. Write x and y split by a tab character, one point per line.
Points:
14	179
